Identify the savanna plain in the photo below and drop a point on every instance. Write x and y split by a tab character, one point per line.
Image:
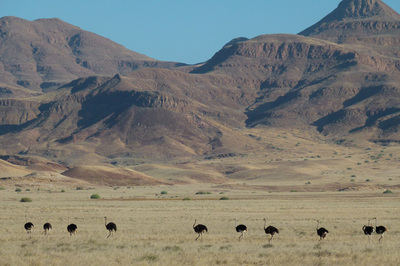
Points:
156	229
289	180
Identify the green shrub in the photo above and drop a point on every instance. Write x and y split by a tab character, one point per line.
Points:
224	198
79	188
187	199
202	192
95	196
26	200
2	188
164	192
18	190
387	191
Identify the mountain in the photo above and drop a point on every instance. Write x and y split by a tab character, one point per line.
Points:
340	88
151	113
69	103
44	54
368	23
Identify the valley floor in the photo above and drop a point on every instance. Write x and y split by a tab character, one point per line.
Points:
155	227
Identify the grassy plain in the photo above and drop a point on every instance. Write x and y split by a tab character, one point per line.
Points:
156	229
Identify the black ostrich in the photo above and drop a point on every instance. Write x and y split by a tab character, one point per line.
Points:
322	232
241	228
270	230
111	227
29	227
47	228
200	229
368	229
71	228
380	230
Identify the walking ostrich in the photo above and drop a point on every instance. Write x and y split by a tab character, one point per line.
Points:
29	227
71	228
321	232
47	228
111	227
200	229
368	229
270	230
241	228
380	230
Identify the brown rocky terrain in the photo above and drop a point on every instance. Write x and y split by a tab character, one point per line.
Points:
337	81
44	54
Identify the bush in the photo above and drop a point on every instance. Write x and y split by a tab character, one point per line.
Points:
2	188
224	198
387	191
26	200
95	196
164	192
202	192
18	190
187	199
79	188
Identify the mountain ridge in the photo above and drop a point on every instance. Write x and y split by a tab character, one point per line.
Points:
338	82
44	54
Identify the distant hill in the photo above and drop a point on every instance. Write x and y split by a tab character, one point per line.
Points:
72	96
44	54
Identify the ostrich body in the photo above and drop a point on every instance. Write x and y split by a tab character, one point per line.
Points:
368	230
71	228
111	227
241	228
321	232
380	230
270	230
200	229
47	228
29	227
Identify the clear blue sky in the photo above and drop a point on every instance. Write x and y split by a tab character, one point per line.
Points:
188	31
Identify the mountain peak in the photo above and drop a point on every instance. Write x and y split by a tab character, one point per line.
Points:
350	14
364	9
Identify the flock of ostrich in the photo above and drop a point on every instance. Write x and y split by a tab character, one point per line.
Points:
200	229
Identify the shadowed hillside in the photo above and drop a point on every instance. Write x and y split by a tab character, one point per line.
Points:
75	98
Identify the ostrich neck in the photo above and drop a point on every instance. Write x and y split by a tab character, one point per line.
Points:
194	223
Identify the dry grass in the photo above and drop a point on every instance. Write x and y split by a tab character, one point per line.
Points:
158	230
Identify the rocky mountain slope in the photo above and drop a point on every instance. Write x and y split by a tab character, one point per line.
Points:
340	87
337	79
44	54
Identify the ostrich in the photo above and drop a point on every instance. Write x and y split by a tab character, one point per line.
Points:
321	232
111	227
47	228
241	228
72	228
380	230
29	227
368	230
200	229
270	230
